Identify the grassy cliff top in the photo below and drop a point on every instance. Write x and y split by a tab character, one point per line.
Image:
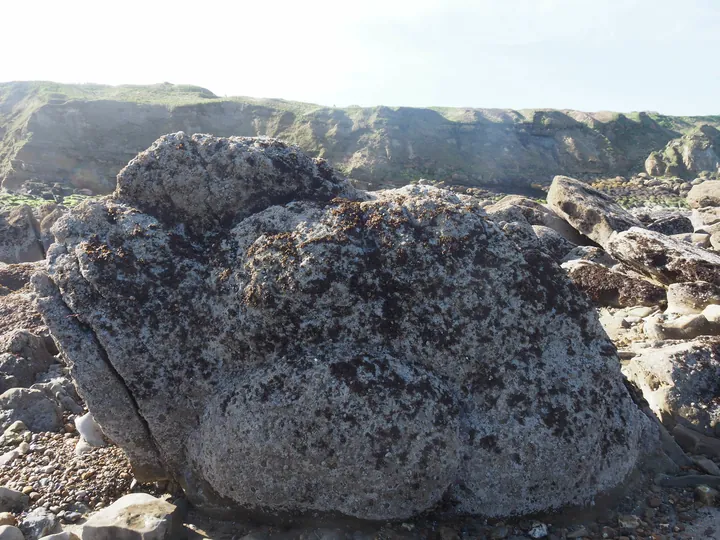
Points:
37	93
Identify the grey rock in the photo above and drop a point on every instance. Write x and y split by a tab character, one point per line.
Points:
31	406
672	225
696	443
588	210
700	240
137	516
707	465
17	276
705	217
46	224
680	381
38	523
608	288
705	194
553	243
8	532
689	327
518	208
692	297
23	357
592	254
65	535
19	236
12	501
663	258
281	343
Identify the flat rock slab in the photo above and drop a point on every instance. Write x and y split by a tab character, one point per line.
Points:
664	259
241	319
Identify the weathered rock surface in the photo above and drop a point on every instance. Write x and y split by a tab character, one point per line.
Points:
12	501
23	356
32	407
517	208
588	210
672	225
664	259
137	516
239	317
705	194
19	236
592	254
555	245
681	381
692	297
606	287
38	523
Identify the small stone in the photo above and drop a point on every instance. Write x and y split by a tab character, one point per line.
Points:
608	532
629	522
72	517
23	448
69	428
538	530
6	518
27	490
654	502
8	457
577	533
707	495
82	447
499	532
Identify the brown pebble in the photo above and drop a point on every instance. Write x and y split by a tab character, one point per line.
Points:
654	502
6	518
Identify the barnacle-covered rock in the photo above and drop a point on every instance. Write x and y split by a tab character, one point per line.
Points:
243	320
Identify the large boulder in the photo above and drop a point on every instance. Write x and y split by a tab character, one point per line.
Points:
590	211
609	288
240	318
518	208
664	259
19	236
681	382
705	194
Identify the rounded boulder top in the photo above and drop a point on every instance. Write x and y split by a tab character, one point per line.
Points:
204	181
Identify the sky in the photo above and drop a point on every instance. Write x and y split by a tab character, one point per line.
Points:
590	55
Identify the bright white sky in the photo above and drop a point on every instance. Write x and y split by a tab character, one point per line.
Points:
623	55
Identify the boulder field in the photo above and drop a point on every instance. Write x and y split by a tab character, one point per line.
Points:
241	320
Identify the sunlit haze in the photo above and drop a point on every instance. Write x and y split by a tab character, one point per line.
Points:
621	55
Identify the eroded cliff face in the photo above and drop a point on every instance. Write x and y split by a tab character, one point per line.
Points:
83	135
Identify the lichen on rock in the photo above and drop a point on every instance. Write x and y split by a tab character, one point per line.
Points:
280	343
